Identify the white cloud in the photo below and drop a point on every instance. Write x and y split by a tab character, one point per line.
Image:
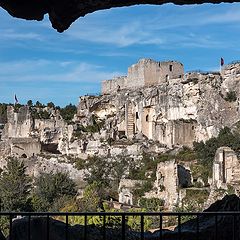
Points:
53	71
11	34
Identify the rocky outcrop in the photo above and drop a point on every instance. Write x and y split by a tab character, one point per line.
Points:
173	112
63	13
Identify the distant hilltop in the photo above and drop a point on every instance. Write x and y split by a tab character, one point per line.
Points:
148	72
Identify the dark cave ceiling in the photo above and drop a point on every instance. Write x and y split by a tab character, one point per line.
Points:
62	13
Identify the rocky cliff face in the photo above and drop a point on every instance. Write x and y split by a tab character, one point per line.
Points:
126	124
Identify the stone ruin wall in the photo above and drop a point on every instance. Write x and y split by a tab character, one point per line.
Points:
226	168
145	73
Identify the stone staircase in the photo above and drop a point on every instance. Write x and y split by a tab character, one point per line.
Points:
130	122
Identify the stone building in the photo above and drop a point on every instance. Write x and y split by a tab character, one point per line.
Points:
126	190
171	178
145	73
25	147
226	168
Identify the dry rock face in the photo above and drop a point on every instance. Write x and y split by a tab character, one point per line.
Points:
155	108
173	110
63	13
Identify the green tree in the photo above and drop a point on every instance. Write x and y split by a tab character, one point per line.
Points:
50	105
38	104
29	103
15	186
92	197
68	112
3	112
50	188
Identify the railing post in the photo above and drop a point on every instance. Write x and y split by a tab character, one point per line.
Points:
216	228
234	227
85	227
197	226
123	226
10	226
66	226
104	227
142	226
29	227
161	226
179	226
47	226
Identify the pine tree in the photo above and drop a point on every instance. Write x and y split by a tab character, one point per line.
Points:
15	186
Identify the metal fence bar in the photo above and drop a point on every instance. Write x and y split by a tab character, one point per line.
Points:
161	226
216	228
179	226
29	227
234	227
233	223
85	227
66	227
47	226
197	227
123	226
104	227
142	227
10	226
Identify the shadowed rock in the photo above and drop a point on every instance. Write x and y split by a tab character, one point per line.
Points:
62	13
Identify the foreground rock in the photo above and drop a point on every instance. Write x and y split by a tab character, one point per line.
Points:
207	227
63	13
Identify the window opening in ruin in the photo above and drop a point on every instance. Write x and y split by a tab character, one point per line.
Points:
137	117
167	77
24	156
193	127
147	118
170	68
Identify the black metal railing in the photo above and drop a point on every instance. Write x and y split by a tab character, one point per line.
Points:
204	225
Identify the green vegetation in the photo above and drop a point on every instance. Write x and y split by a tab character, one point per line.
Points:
151	204
39	114
205	152
231	96
15	187
3	112
50	189
68	112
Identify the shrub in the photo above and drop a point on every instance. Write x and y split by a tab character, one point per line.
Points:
50	188
231	96
15	186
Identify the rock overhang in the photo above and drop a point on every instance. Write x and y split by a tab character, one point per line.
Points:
63	13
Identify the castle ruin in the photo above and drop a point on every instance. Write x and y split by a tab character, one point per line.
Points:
145	73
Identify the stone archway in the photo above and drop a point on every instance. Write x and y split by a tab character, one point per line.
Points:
63	13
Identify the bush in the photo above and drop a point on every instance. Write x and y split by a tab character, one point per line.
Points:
231	96
68	112
15	186
50	188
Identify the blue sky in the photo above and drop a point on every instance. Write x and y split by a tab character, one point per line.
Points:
40	64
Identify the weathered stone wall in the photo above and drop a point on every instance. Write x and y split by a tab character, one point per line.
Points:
114	85
126	190
19	123
145	73
226	168
25	147
171	177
